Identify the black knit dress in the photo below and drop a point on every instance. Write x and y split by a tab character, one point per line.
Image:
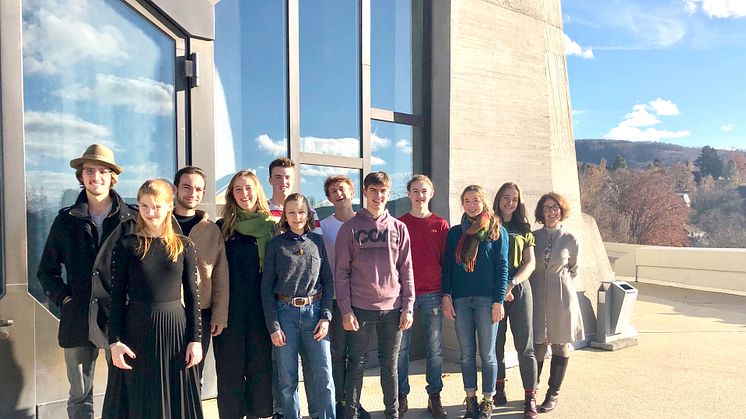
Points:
148	316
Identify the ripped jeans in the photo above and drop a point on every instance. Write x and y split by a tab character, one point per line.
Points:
428	309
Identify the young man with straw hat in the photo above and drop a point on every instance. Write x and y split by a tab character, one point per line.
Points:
81	239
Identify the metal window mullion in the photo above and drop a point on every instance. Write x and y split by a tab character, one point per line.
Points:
293	75
365	114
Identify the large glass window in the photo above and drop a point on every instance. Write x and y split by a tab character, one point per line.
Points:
396	55
251	108
330	77
391	146
94	72
312	184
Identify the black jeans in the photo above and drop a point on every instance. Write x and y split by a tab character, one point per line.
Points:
340	342
386	325
520	311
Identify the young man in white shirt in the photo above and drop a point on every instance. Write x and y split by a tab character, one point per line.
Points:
339	190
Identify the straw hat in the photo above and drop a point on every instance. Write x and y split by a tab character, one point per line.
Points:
100	154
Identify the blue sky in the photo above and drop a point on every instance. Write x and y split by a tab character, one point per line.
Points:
658	70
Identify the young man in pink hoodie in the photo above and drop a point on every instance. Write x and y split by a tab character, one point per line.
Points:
375	290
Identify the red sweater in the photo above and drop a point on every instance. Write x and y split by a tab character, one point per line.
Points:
428	236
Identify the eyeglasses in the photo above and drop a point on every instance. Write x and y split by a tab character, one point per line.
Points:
552	208
91	171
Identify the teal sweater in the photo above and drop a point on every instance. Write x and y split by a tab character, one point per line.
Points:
490	276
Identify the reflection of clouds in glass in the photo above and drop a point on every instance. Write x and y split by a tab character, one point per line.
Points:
60	135
135	175
377	143
326	171
376	161
56	35
50	184
404	146
347	147
141	95
275	148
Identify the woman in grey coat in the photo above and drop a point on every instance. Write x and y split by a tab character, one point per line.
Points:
557	317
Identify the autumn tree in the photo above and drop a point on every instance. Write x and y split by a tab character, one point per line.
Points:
656	214
731	173
739	157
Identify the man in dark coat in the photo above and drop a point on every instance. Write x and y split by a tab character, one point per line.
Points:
81	239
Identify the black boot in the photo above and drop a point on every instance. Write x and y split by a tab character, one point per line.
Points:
556	376
472	407
500	398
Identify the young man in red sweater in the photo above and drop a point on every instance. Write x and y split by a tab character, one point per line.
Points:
428	235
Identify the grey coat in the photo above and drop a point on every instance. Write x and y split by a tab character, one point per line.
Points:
557	317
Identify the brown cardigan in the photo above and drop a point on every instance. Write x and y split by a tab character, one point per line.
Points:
212	268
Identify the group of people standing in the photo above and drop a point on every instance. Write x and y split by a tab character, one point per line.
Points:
270	284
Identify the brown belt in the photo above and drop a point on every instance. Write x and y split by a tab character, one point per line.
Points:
298	301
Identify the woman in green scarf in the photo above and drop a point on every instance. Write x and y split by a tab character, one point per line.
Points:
243	351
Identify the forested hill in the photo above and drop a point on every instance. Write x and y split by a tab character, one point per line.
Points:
637	154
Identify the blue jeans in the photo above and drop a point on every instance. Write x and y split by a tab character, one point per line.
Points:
474	316
428	309
298	324
81	366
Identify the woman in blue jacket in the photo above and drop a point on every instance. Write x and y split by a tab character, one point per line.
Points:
475	276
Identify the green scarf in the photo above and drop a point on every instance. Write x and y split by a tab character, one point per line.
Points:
257	225
474	231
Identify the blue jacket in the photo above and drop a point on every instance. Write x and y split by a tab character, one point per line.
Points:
490	276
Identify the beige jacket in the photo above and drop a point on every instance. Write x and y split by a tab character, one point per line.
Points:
557	316
212	268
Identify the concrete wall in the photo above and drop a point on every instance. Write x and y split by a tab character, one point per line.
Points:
722	270
501	112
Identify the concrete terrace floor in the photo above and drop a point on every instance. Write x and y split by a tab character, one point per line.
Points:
690	363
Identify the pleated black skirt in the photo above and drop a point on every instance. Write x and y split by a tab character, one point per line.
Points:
159	385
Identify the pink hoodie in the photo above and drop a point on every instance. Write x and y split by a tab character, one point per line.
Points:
373	264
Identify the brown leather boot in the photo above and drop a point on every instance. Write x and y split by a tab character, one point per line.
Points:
500	399
556	376
435	407
529	406
403	404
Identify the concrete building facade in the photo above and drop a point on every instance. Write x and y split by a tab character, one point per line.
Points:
466	91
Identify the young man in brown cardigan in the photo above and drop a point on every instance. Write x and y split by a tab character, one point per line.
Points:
212	265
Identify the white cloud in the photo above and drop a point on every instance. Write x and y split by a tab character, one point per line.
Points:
726	127
630	128
404	146
346	147
664	107
275	148
721	9
377	143
578	112
628	133
376	161
60	135
640	117
326	171
141	95
57	35
573	48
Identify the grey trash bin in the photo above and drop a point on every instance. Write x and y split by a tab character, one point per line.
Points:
616	302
